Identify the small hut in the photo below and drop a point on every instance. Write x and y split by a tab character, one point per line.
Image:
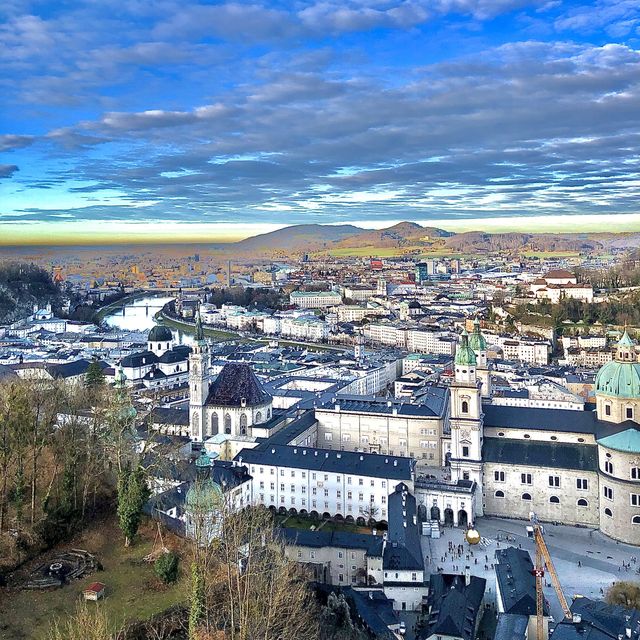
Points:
94	591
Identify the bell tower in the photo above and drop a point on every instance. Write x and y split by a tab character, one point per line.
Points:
479	345
466	420
199	379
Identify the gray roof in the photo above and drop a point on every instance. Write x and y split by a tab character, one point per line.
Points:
516	582
158	333
349	462
535	453
431	405
454	606
511	626
235	384
535	418
599	621
403	551
338	539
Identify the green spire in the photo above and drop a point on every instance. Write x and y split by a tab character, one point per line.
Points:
199	337
464	353
120	380
626	340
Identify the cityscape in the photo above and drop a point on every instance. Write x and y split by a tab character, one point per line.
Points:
320	321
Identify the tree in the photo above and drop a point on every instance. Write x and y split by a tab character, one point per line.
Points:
166	567
133	493
94	377
625	594
197	605
336	622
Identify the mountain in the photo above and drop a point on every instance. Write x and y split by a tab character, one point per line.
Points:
402	234
300	237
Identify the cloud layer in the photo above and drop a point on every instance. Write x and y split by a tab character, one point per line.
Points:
323	111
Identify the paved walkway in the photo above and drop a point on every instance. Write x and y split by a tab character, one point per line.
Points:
587	562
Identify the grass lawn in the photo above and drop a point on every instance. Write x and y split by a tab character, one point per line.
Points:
133	591
300	522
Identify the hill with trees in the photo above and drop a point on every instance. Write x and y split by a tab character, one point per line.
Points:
22	286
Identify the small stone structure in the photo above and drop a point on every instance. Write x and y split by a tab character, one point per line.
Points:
60	569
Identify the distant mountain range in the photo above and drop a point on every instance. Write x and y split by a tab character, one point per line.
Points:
410	236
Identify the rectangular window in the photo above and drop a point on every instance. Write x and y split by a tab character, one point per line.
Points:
635	499
498	476
582	484
554	481
465	452
607	492
328	437
525	478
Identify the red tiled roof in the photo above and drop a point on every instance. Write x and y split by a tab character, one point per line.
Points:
95	586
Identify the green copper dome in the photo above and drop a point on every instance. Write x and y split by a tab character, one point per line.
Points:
204	495
621	377
464	353
476	340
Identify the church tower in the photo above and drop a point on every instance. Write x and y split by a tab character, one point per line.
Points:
466	420
479	345
199	363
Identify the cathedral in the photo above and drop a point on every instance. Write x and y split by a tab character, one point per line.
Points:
472	457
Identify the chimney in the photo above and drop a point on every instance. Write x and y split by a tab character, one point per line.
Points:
577	618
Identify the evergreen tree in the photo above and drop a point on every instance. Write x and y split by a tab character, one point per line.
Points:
94	377
132	496
166	567
336	622
197	605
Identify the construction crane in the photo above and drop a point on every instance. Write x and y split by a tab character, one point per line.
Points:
543	558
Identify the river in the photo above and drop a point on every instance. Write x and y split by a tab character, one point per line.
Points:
138	315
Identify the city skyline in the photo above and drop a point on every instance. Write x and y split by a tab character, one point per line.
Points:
254	116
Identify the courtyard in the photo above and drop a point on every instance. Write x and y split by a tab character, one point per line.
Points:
587	562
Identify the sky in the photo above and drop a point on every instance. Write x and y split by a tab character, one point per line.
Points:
216	120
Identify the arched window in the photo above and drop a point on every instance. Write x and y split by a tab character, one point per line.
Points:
465	406
526	496
227	423
583	503
243	424
499	494
215	424
608	512
554	500
635	520
258	417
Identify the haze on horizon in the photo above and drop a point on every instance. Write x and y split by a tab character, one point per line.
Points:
218	120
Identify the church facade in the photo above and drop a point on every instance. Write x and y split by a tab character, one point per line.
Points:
231	404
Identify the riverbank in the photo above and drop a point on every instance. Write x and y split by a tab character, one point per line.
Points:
102	312
189	327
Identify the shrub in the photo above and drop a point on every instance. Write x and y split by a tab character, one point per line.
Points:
166	567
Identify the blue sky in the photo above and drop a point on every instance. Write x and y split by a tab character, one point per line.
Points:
238	116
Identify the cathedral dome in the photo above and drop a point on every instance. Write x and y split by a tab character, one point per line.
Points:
160	334
620	378
203	496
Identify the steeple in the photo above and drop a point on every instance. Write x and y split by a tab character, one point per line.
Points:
199	335
464	353
626	348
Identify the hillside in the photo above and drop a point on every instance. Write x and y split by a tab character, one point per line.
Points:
488	242
21	287
301	237
399	235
